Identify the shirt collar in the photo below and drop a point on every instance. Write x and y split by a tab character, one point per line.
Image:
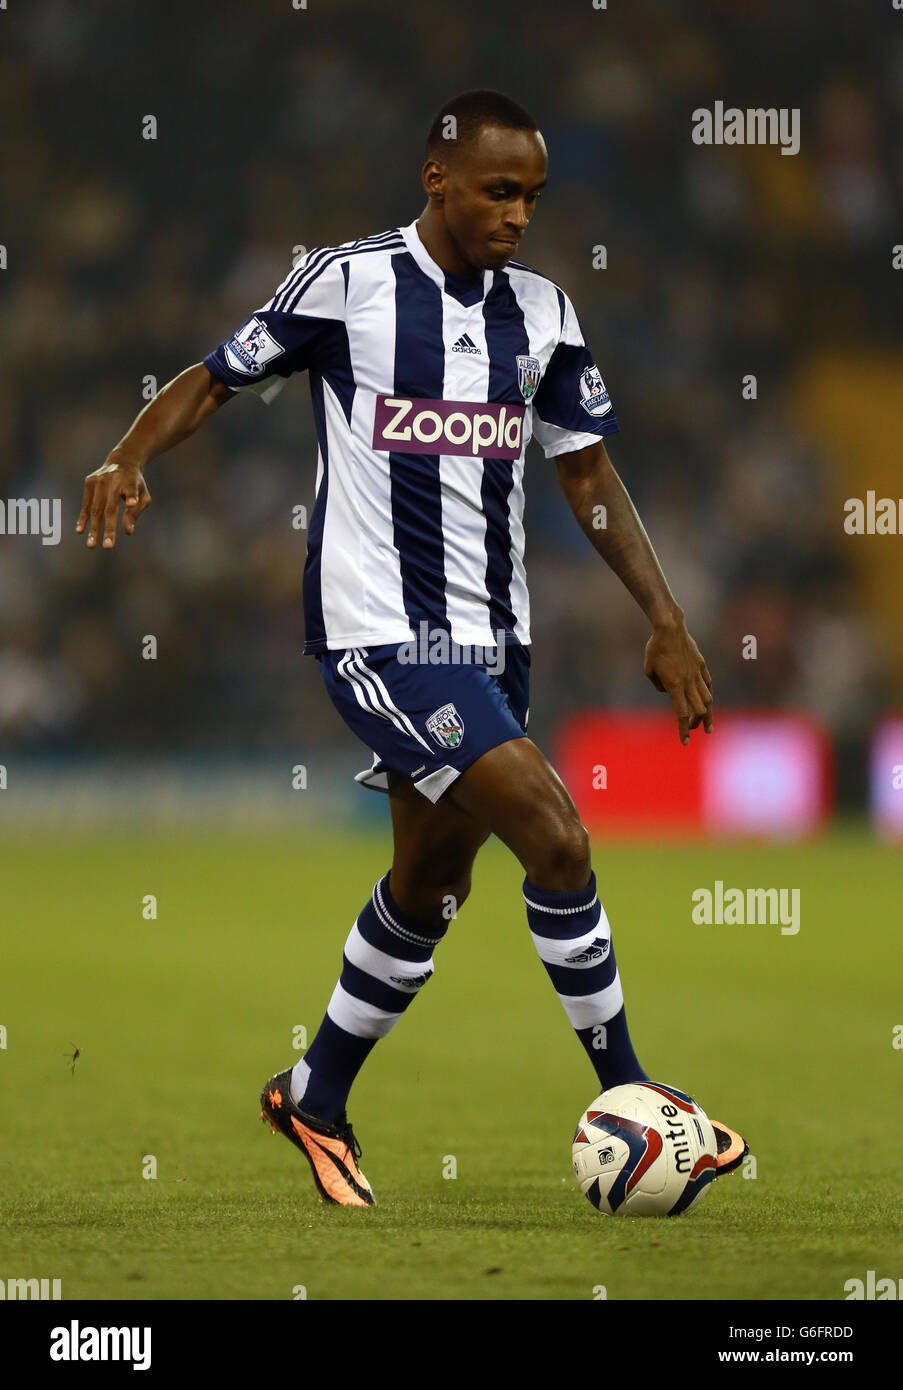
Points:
426	263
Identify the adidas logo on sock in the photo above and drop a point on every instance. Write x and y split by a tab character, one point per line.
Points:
465	344
596	950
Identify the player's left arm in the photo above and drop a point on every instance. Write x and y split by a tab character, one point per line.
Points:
607	516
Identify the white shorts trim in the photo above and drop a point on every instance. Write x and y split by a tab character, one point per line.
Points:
432	786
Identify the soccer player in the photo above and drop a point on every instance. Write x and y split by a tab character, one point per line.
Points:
434	357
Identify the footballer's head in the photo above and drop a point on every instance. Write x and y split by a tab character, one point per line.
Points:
486	164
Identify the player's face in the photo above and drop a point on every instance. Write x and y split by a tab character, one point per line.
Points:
490	193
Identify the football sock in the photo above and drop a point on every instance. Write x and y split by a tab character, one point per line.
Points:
386	962
571	933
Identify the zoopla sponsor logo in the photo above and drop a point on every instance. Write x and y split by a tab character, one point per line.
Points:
409	425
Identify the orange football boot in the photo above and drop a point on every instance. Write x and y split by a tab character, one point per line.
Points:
331	1150
732	1148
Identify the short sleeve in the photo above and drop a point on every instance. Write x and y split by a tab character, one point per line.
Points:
571	408
290	333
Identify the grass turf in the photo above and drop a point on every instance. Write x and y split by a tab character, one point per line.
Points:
179	1020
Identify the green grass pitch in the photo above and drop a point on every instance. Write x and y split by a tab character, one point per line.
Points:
179	1020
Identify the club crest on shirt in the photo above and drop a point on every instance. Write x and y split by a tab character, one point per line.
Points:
251	348
527	376
446	727
593	396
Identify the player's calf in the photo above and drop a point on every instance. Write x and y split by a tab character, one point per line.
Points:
431	905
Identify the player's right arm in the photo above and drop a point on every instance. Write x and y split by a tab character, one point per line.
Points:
174	413
301	324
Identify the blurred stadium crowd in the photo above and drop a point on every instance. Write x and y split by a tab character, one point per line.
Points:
130	258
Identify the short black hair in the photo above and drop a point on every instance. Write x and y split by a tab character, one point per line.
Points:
472	111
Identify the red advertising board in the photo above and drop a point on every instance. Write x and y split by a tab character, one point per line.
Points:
760	774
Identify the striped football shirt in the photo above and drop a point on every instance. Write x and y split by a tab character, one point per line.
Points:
426	389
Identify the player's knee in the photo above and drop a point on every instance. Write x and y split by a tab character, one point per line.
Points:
450	895
449	872
432	899
560	860
455	895
459	891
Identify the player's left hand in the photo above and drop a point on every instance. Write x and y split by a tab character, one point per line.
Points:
676	667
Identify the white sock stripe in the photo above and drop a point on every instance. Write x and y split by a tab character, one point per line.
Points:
558	911
389	922
298	1082
379	963
555	950
585	1010
595	951
357	1017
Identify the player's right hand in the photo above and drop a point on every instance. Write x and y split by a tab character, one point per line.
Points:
118	480
676	667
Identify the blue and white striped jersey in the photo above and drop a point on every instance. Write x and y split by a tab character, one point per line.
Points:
426	390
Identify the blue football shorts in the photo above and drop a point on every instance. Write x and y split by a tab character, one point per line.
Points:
429	722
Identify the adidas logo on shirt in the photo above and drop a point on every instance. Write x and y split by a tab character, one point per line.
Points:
465	344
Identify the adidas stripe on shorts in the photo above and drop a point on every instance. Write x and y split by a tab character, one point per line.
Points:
429	722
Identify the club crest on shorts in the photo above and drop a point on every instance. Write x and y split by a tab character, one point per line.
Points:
593	396
446	727
527	376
